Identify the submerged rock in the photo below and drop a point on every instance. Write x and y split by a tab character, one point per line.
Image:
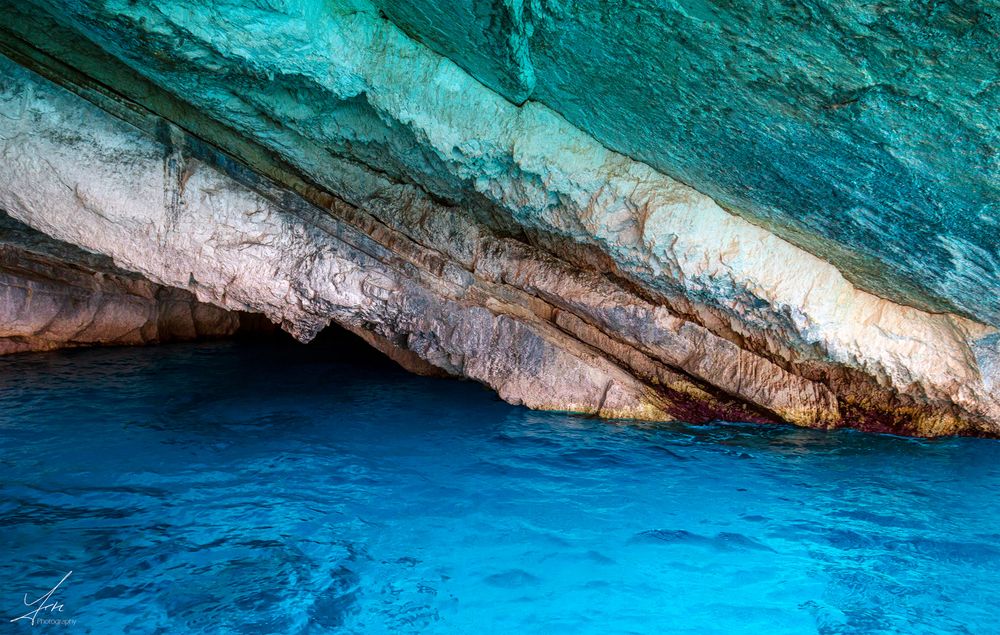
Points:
381	186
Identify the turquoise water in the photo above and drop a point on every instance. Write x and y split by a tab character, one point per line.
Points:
277	488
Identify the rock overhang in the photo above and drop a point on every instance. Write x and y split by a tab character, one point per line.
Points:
866	134
351	96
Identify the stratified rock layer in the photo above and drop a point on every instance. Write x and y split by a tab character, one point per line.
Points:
54	295
448	226
866	132
95	181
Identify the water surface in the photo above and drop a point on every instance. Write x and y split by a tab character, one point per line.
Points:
276	488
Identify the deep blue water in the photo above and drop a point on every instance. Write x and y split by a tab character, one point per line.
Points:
277	488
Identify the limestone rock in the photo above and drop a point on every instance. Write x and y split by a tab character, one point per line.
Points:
54	295
867	133
382	186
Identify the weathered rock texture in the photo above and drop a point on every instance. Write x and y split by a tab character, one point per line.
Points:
381	186
54	295
866	132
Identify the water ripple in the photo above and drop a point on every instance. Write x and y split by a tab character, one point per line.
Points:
194	489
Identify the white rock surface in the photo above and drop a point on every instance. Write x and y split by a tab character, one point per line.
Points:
82	176
54	295
658	303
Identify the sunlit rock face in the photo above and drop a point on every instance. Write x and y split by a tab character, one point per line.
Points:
54	295
469	218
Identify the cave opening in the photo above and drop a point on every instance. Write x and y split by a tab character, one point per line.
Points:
333	344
